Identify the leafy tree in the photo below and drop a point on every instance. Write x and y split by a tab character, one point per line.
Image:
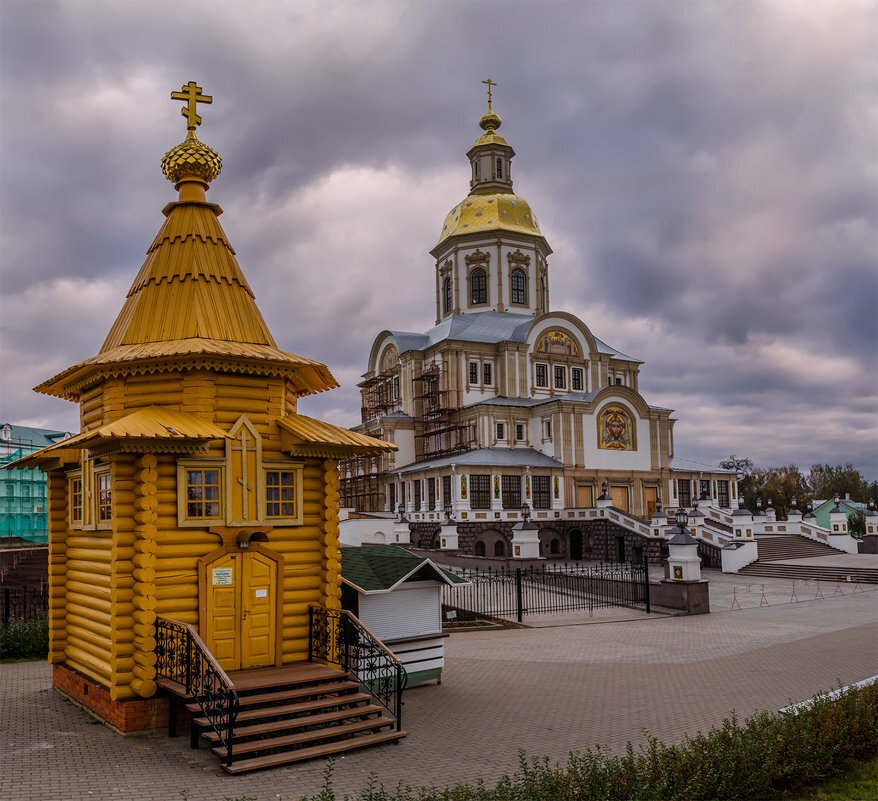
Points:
826	481
778	484
857	524
741	465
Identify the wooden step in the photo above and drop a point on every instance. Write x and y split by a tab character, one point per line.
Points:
288	724
314	752
293	709
289	694
283	741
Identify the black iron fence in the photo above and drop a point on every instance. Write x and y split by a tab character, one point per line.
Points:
517	591
24	603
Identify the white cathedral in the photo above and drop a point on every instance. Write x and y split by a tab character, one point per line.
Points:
506	407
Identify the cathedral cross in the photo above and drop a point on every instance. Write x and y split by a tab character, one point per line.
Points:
490	83
191	93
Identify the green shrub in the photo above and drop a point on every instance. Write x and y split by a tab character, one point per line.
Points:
765	757
24	639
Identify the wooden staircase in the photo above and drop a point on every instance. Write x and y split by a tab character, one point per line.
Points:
347	695
294	713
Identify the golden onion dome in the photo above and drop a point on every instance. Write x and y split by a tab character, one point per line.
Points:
490	121
191	159
479	213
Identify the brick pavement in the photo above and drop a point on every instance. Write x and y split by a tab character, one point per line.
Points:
548	690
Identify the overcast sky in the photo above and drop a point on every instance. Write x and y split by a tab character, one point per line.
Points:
706	173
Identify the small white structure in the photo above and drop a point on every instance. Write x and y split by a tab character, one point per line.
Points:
398	597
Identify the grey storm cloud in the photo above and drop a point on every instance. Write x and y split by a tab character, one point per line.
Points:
706	175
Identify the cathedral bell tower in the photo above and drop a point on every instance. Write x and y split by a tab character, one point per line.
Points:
491	255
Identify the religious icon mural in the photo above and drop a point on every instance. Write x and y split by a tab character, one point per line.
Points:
557	343
389	359
615	430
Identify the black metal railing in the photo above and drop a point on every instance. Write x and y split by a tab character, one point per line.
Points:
23	603
338	638
183	657
513	592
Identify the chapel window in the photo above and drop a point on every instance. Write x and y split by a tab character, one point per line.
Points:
501	431
105	497
446	296
417	489
576	379
431	493
478	282
519	431
499	548
518	284
499	168
76	500
202	492
487	378
280	493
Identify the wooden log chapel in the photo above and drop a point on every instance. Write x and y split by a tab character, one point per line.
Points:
193	523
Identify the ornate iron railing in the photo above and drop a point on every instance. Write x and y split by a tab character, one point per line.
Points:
183	657
338	638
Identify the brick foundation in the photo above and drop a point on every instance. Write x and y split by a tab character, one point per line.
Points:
126	717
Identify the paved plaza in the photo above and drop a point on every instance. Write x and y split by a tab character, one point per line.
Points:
568	683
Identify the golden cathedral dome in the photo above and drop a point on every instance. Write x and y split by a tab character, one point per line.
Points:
191	159
479	213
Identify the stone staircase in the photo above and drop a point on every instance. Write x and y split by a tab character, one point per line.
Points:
290	716
776	549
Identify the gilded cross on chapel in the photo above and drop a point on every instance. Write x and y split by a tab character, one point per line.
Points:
191	93
490	83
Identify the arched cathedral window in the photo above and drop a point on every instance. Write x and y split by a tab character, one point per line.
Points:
518	282
446	296
478	287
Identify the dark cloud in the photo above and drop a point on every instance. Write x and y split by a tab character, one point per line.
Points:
706	174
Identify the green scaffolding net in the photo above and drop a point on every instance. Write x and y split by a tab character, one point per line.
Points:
23	502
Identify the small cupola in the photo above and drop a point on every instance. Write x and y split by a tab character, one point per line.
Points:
490	157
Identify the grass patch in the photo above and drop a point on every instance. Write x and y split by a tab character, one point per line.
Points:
769	756
856	781
22	640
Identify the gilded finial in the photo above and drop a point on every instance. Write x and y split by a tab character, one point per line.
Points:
490	122
191	159
191	93
490	83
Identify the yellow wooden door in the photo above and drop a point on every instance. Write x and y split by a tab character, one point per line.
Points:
650	495
584	496
258	610
223	610
619	494
241	628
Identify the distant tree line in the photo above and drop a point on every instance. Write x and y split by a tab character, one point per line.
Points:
781	484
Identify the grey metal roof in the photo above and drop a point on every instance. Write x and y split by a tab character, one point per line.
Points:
396	416
487	326
487	457
688	466
35	437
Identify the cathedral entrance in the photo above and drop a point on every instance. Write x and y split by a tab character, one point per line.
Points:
239	599
650	496
619	494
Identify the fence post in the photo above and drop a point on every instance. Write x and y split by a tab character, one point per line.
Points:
518	600
646	580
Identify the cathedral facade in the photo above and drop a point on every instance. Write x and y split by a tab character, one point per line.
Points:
506	402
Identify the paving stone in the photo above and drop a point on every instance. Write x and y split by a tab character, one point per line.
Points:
556	687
